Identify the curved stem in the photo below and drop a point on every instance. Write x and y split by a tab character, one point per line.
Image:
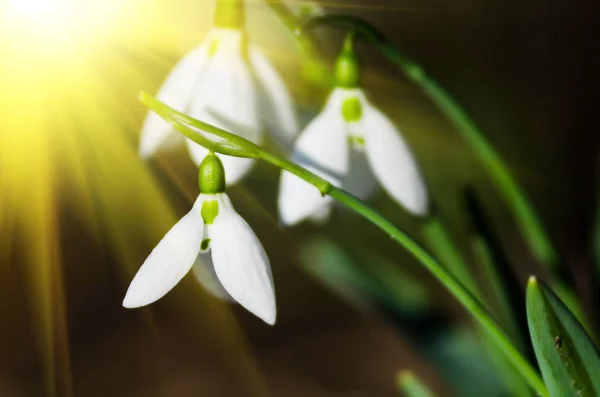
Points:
312	50
527	219
280	162
470	302
180	122
349	40
229	144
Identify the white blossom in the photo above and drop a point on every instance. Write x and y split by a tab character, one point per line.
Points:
351	144
229	83
238	267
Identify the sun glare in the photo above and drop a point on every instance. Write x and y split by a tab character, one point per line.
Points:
59	23
41	14
32	7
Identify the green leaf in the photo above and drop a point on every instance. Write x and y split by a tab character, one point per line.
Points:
410	386
511	379
568	358
507	297
442	246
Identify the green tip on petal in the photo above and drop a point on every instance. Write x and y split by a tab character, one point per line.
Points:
212	49
352	109
210	210
205	244
211	175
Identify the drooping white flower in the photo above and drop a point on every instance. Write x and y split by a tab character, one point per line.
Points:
229	83
351	144
351	128
238	267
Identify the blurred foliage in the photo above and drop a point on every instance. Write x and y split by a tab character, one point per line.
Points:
79	211
410	386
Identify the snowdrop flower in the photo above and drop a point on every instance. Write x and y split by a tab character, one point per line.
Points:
214	228
229	83
351	144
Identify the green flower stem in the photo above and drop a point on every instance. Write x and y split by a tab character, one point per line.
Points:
324	186
232	144
291	22
230	14
468	300
487	263
315	67
527	219
229	144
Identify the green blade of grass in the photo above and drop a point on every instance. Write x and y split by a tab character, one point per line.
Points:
444	249
568	358
506	293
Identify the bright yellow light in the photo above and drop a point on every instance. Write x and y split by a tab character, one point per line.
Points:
32	7
62	23
41	14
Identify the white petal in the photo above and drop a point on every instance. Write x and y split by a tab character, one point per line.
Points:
226	97
323	149
360	180
204	272
227	91
241	263
321	217
176	92
169	261
392	162
276	104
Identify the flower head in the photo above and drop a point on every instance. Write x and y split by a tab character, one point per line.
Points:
350	143
212	227
229	83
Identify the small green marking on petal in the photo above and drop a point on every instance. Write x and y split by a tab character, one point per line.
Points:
357	140
352	109
210	210
214	46
205	244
